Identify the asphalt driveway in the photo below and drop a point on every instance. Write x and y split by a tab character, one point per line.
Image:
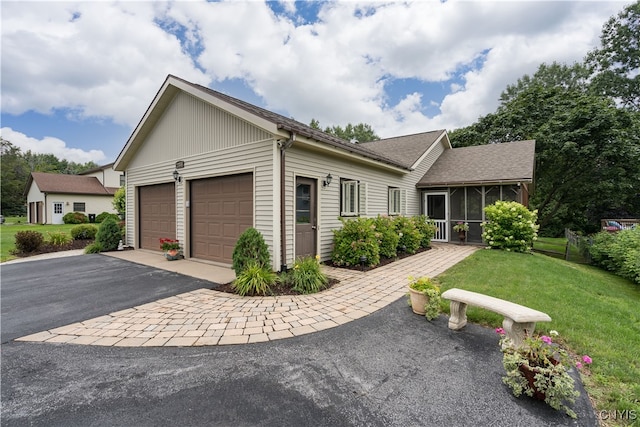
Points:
44	294
391	368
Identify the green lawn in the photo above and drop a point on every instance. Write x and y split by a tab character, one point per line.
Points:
12	225
595	312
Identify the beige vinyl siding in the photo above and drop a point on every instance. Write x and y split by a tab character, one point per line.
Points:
93	204
191	127
414	203
256	158
300	162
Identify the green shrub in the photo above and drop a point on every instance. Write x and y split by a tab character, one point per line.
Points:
254	279
104	215
84	232
28	241
250	246
93	248
356	238
618	252
426	227
387	236
58	238
108	235
510	226
305	276
75	218
410	236
120	201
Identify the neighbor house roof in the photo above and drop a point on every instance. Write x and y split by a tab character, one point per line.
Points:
492	163
97	169
271	121
68	184
405	150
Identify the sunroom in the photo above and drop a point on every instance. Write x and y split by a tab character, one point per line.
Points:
465	180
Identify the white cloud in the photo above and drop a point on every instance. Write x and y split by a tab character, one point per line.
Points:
109	59
51	145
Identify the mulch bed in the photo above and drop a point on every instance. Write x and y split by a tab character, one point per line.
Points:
276	290
383	261
47	248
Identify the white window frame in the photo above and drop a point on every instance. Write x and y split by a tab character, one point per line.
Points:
350	203
395	201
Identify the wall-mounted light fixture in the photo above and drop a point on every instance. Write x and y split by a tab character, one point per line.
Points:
176	176
327	180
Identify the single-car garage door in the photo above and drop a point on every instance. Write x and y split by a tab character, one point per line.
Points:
157	205
221	209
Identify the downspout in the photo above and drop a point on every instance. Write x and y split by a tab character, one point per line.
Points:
284	145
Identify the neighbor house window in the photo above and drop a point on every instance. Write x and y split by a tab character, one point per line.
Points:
350	198
78	206
122	180
395	204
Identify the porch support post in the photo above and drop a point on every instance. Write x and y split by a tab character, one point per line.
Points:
283	212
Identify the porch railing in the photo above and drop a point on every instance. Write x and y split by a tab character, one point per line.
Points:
441	230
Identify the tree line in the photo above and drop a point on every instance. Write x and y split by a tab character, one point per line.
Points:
585	118
16	169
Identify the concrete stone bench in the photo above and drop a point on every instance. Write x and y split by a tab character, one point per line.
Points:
518	319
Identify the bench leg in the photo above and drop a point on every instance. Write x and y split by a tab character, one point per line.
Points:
517	331
458	318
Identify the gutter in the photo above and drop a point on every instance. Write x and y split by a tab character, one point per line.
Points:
284	145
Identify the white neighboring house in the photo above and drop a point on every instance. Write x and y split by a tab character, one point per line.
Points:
52	195
202	167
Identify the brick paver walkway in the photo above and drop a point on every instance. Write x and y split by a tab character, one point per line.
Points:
208	317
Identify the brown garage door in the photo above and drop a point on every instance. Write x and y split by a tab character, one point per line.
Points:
221	209
157	205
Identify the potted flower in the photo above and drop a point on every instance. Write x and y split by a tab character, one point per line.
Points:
424	297
461	228
540	369
171	248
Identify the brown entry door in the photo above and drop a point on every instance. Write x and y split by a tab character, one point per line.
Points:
306	223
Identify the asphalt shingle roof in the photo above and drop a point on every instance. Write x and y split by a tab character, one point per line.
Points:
405	150
505	162
69	184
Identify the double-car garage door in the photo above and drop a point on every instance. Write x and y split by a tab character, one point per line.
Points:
221	208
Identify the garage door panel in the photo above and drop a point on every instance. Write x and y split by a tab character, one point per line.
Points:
221	208
157	216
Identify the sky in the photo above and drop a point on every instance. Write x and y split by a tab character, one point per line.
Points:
77	77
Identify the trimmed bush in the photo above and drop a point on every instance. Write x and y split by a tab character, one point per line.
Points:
108	235
75	218
104	215
426	227
355	239
254	279
58	238
305	276
410	236
618	252
93	248
387	236
510	226
84	232
28	241
250	246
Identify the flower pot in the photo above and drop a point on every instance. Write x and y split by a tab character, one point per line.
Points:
172	254
462	235
418	301
529	374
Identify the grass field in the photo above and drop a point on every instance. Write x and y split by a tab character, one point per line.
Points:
595	312
12	225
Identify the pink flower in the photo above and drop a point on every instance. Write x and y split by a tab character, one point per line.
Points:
500	331
586	359
545	339
578	365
